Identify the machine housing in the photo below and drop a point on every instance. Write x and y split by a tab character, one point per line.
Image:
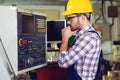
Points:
23	36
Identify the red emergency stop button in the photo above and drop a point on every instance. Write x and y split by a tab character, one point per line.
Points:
21	41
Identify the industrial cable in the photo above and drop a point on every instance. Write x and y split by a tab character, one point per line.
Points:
98	17
103	13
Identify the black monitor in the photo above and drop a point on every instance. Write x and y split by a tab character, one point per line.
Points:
54	28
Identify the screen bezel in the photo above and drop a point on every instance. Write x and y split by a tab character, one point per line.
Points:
54	44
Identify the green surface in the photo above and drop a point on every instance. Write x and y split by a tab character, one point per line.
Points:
70	41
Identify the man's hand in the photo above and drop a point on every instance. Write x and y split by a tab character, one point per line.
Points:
67	33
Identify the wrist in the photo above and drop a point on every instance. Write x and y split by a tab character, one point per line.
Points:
64	46
64	40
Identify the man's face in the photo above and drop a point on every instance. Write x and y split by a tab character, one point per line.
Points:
73	21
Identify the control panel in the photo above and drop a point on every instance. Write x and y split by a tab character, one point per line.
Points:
31	51
23	36
31	40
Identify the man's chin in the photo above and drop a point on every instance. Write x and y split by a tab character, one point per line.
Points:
73	29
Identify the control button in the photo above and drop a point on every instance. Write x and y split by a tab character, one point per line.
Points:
30	60
21	41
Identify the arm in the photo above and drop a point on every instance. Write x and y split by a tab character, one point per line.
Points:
78	50
66	34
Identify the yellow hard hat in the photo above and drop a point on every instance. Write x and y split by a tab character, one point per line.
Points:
78	6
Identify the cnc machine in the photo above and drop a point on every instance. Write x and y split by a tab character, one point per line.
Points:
23	40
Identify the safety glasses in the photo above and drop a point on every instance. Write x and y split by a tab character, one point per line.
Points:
69	18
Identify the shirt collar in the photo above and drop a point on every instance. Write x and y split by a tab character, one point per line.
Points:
87	28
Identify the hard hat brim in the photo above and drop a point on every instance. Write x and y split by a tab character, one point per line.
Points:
66	13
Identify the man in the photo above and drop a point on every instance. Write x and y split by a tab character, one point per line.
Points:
82	59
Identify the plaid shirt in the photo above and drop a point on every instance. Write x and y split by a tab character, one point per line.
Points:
84	54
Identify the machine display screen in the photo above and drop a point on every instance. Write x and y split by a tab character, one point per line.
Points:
27	24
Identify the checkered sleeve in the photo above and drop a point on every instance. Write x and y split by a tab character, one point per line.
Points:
79	49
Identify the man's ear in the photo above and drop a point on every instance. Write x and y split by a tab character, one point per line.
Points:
82	18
